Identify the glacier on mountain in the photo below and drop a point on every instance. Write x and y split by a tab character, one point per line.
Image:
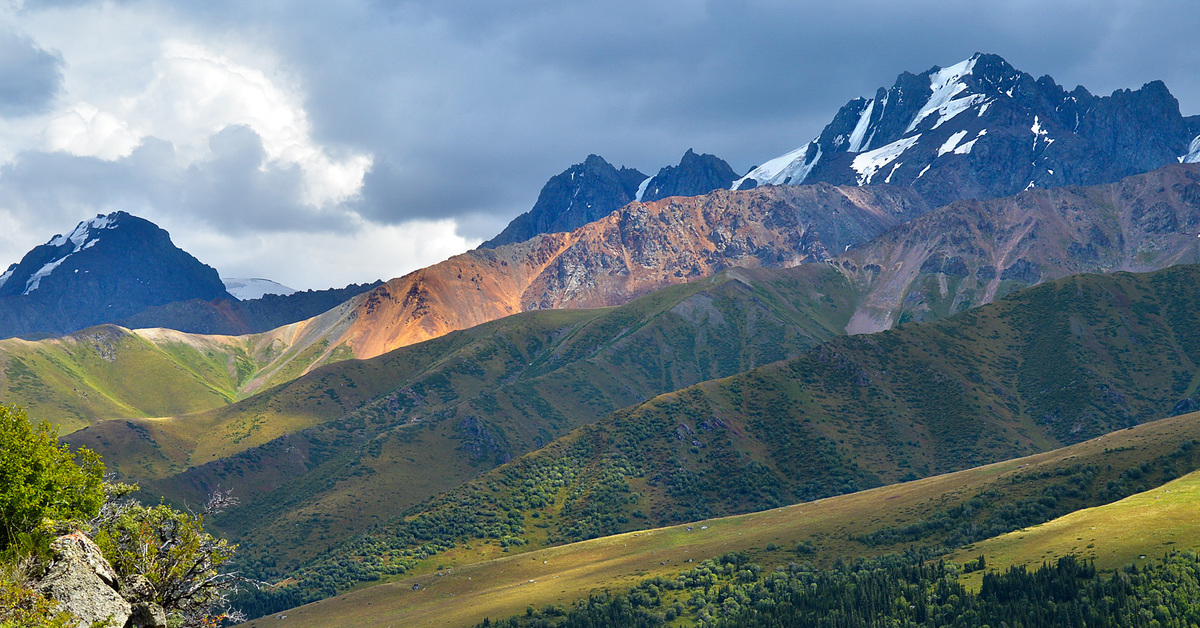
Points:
868	164
946	84
790	168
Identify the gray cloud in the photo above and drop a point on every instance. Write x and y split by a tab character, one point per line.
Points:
469	106
235	192
29	76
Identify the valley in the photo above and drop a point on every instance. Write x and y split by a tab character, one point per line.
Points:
464	590
946	347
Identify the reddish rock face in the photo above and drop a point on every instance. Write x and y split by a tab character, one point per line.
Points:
631	252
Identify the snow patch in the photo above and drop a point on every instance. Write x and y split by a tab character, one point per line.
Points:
923	171
254	288
1193	156
7	274
869	163
951	143
946	84
44	271
83	237
790	168
860	129
641	191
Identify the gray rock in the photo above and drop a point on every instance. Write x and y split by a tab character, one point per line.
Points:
83	583
137	589
147	615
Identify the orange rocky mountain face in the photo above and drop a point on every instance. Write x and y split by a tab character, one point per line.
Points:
638	249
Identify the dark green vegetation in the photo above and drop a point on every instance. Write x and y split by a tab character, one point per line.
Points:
731	591
393	431
1055	364
466	587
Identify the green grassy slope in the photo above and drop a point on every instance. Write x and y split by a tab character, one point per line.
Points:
387	433
1054	364
109	372
463	585
1135	529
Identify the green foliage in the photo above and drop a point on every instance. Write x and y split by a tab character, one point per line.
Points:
172	551
891	591
40	479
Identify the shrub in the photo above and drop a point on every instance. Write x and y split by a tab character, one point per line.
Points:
40	479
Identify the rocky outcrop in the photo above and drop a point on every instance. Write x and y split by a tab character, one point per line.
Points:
84	584
695	175
581	194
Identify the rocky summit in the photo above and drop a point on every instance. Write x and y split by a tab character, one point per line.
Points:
580	194
983	129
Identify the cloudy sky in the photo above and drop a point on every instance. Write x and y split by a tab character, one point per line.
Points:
319	143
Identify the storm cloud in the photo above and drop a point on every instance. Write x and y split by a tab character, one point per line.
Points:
29	76
322	123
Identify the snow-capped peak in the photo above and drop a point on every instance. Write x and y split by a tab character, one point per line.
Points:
1193	155
84	230
254	288
83	237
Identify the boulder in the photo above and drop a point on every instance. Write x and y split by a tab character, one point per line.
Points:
83	583
147	615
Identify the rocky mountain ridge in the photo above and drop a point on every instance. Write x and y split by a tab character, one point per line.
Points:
972	252
983	129
638	249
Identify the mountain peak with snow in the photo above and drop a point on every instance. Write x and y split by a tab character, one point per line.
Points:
254	288
982	128
107	268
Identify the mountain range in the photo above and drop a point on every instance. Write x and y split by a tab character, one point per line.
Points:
904	296
983	129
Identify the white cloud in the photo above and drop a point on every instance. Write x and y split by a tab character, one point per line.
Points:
316	260
194	94
85	131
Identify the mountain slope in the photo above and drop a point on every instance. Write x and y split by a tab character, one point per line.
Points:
971	252
982	129
580	194
398	429
465	584
106	269
1059	363
631	252
1146	525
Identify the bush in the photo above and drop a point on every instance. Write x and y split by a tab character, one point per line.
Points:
40	479
173	552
